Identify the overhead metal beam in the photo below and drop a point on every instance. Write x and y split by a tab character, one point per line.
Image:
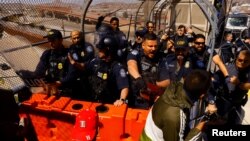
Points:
85	6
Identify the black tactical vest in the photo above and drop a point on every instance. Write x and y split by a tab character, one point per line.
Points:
99	79
149	70
57	65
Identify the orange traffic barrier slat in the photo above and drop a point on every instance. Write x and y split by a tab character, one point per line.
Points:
45	104
60	104
111	121
35	99
75	106
135	121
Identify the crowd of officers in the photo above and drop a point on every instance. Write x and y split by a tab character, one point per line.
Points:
114	70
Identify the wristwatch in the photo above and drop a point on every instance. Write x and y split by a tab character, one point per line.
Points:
123	100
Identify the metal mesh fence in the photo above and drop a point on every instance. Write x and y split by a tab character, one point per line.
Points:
23	24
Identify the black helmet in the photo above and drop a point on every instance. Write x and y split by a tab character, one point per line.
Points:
107	29
102	31
141	31
109	44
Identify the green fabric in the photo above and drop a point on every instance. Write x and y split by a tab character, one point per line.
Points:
144	137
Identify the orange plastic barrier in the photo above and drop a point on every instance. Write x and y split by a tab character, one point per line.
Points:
75	107
111	121
53	118
45	114
35	99
45	104
60	104
135	121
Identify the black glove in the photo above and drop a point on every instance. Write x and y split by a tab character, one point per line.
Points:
101	18
140	83
209	117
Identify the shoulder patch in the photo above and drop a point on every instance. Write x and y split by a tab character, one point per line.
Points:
123	73
124	38
75	56
209	50
135	52
187	64
89	49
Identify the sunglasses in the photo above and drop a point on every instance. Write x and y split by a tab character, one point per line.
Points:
242	60
200	43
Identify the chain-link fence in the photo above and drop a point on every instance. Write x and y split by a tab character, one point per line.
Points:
23	24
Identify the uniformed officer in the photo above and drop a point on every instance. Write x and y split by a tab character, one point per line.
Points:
235	92
226	48
118	35
79	54
54	65
140	32
180	39
200	54
146	68
108	78
179	64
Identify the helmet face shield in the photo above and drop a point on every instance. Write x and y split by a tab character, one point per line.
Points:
108	45
103	31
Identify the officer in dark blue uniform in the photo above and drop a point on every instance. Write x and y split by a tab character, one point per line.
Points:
54	65
146	69
235	92
108	78
120	37
227	48
200	54
180	39
179	64
140	32
79	54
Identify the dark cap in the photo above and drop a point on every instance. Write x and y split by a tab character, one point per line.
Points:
53	34
180	47
141	31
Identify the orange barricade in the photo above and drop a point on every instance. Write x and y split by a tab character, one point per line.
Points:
45	116
60	104
34	100
111	121
45	104
135	121
76	106
52	118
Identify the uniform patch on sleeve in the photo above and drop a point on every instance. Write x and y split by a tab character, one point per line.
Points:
134	52
123	73
209	50
124	38
89	49
187	64
75	56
